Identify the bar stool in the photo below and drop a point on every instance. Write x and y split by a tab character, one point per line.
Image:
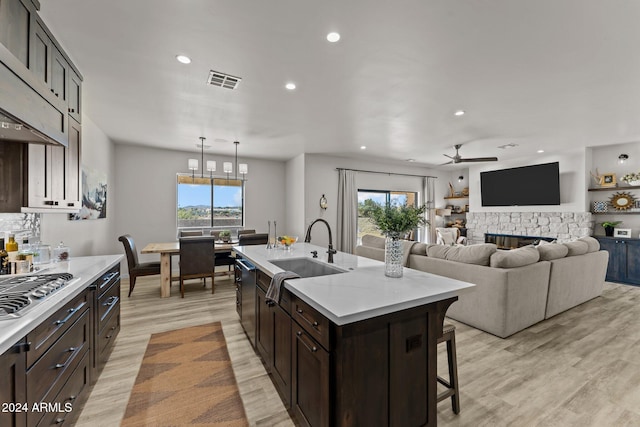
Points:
449	335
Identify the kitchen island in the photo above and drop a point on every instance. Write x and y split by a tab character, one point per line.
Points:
53	349
349	348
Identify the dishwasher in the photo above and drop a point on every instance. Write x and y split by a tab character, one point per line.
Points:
247	301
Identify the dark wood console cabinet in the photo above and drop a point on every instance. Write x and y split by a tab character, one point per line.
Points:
624	254
378	371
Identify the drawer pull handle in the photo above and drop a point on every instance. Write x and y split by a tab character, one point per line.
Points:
312	323
112	300
312	348
72	349
112	329
59	420
60	365
71	311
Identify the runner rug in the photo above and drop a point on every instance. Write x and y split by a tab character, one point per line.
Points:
186	379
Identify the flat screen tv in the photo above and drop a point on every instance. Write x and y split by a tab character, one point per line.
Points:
524	186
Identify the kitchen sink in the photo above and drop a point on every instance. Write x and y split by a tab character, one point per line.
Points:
306	267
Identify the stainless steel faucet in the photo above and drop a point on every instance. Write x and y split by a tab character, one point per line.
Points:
307	239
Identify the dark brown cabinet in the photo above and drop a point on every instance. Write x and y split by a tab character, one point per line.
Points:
13	387
310	379
624	254
59	360
264	329
15	18
377	371
107	317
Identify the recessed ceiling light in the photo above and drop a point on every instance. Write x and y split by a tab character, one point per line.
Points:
459	113
184	59
290	86
411	160
333	37
507	146
540	151
363	147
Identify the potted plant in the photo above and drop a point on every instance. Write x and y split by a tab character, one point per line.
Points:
632	178
225	236
394	221
609	226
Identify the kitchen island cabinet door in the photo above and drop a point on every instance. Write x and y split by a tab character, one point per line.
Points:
264	329
310	379
281	369
13	387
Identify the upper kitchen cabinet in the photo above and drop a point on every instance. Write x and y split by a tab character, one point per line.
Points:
75	95
15	21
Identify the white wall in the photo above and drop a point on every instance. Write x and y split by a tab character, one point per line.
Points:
605	160
295	198
321	178
88	237
572	183
146	188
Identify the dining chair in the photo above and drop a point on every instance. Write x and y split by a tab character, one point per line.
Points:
253	239
197	259
190	233
248	231
137	268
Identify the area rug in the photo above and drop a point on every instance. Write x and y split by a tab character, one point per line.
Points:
186	379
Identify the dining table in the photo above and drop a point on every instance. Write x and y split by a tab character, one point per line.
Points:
166	250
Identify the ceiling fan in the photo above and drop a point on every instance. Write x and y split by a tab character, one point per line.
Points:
458	159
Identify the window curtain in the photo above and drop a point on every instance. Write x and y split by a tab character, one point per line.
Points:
347	211
429	231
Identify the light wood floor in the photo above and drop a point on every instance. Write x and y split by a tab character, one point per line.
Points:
581	368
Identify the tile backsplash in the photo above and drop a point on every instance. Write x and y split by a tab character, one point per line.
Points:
21	224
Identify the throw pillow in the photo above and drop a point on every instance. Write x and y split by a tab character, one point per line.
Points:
576	248
474	254
515	257
419	249
550	252
594	245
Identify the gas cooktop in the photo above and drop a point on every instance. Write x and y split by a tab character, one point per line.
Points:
18	294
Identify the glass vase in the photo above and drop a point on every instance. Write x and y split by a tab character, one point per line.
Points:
393	256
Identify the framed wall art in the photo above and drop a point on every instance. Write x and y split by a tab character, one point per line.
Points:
622	232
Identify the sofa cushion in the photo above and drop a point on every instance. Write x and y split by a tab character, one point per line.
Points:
474	254
576	248
594	245
553	251
515	257
373	241
419	249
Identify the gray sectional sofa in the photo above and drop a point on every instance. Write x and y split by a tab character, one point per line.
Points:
514	289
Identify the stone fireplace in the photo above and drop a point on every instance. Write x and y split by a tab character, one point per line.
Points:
563	226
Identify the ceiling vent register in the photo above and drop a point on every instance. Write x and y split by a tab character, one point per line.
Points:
219	79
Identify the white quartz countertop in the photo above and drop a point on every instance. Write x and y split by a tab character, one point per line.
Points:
363	291
85	271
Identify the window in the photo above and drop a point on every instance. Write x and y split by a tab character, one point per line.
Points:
367	198
203	202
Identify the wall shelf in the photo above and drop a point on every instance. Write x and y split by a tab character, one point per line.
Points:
630	187
615	213
461	197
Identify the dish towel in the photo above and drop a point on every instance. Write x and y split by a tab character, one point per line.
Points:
273	293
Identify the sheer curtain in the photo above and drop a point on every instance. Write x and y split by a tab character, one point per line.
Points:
429	232
347	211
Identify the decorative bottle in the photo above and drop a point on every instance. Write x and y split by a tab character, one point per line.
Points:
4	259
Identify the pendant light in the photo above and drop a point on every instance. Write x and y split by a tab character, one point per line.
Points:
242	168
210	165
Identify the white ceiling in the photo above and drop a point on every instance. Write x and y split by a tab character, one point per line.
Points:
543	74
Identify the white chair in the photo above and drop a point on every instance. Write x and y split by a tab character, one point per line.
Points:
449	236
